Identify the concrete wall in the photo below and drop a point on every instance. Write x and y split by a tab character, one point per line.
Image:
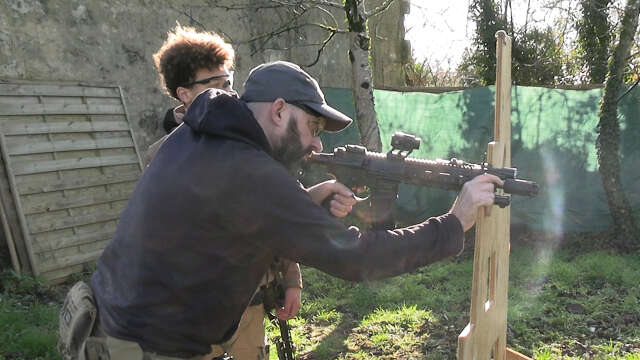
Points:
390	51
96	41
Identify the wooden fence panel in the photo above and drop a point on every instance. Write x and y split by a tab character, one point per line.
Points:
69	164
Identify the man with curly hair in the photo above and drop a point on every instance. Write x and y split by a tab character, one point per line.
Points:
189	62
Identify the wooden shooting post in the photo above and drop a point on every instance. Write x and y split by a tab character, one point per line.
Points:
485	337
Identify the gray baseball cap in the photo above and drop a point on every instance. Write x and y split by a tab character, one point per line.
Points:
282	79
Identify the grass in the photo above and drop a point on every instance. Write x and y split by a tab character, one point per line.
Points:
562	305
28	319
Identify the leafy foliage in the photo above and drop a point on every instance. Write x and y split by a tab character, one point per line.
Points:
594	37
537	54
608	141
481	62
422	74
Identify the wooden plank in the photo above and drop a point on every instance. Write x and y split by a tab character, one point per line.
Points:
60	275
15	262
34	187
69	203
19	100
10	128
7	203
514	355
53	256
18	206
64	242
36	167
60	109
42	224
60	257
133	136
71	260
484	337
56	90
21	148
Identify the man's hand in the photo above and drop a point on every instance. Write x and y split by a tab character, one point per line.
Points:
291	304
474	194
343	199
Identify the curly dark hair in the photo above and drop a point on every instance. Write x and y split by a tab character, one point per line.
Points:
186	51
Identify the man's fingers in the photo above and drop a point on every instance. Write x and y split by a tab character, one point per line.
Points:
348	200
485	186
282	314
340	205
339	213
475	194
489	178
342	190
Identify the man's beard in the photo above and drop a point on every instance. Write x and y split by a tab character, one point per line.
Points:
290	151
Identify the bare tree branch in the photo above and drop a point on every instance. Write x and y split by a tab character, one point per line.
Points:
328	3
380	9
292	27
629	89
324	44
195	21
272	4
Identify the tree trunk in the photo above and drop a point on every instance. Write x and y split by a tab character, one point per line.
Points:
362	85
626	231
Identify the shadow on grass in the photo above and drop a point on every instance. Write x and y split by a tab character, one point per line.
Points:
332	343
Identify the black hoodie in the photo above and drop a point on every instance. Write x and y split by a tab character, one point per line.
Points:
207	218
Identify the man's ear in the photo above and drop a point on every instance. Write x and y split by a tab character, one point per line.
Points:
183	94
277	112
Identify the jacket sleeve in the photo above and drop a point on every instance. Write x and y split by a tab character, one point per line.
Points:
285	221
292	277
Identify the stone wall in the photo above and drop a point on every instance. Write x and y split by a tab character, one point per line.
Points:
96	41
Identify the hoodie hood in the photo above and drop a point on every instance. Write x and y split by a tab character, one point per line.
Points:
216	112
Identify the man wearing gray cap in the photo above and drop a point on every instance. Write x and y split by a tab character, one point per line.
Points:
174	289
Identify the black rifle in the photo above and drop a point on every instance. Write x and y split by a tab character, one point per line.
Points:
284	346
355	166
273	299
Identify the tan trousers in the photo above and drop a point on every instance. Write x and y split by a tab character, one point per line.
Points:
98	348
249	342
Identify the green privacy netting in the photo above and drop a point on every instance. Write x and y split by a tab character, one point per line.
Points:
553	143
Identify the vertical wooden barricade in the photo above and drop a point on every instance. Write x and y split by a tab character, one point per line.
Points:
485	336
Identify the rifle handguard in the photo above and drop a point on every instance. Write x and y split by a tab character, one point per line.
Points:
520	187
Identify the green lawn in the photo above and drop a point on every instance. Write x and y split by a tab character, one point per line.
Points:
28	319
563	304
